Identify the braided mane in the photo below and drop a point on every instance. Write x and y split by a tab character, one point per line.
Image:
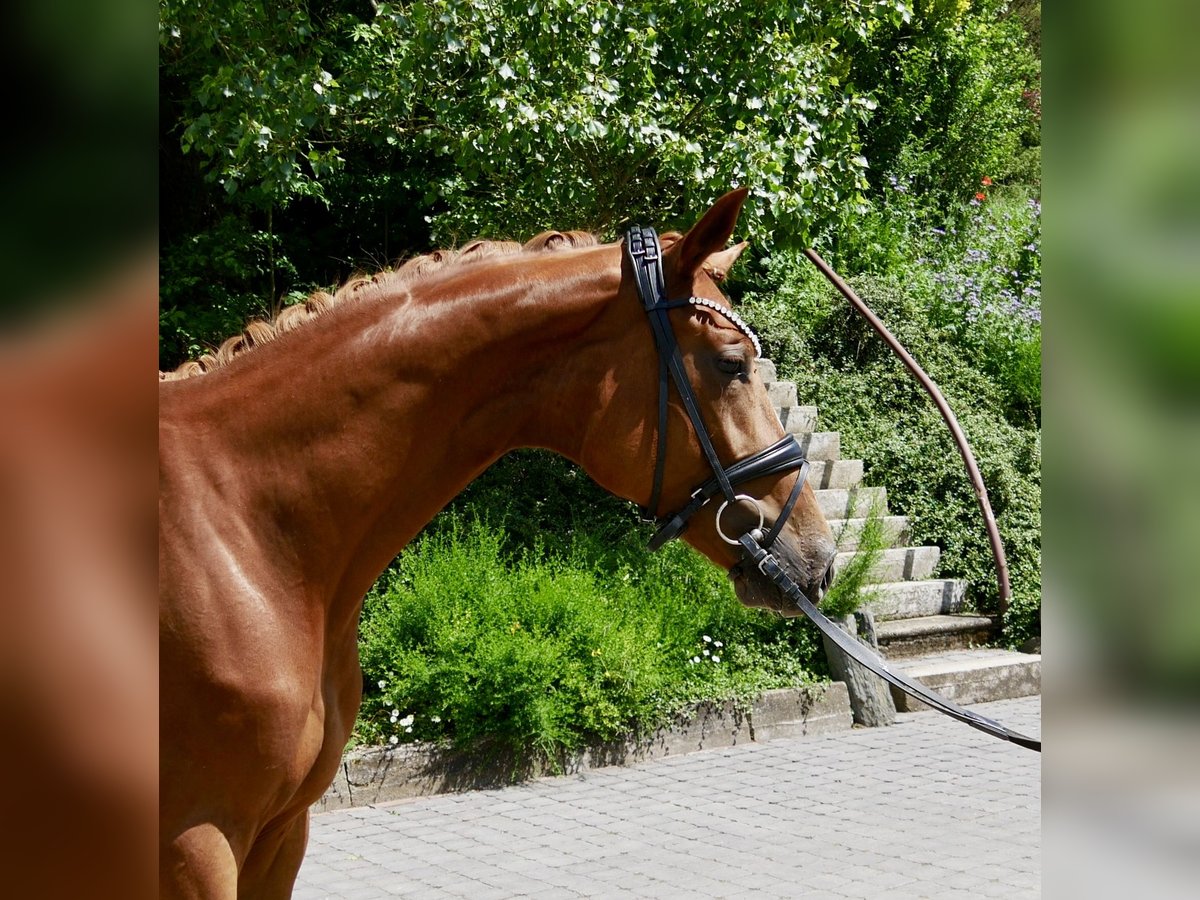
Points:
263	331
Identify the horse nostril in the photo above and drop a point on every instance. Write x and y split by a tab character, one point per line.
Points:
827	578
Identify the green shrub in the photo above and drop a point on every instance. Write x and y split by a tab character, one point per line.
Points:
212	283
987	292
952	87
533	654
974	276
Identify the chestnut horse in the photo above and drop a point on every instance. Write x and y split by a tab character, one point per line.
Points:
293	474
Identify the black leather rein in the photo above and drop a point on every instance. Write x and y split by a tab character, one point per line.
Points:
645	254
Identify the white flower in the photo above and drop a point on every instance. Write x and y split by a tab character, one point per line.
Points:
695	659
395	712
706	651
382	684
393	740
408	730
718	645
716	659
435	719
407	721
707	639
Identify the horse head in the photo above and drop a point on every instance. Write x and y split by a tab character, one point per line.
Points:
749	477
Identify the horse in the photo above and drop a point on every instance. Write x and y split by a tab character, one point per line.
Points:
299	459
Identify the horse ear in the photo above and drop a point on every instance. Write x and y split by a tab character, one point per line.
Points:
710	234
717	265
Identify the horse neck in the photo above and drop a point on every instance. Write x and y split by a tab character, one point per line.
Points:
347	436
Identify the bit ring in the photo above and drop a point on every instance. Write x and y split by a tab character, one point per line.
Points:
737	499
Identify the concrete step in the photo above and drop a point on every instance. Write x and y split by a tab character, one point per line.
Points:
897	564
925	635
821	445
782	394
845	503
766	370
909	599
847	531
797	419
972	676
824	474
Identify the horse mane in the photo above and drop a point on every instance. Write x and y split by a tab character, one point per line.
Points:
317	304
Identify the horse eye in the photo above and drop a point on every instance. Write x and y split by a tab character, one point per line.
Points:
730	365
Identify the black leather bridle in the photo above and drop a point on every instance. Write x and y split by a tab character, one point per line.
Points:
644	252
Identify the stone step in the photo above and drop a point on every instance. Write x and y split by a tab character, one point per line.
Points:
824	474
782	393
766	370
848	531
821	445
845	503
925	635
897	564
797	419
910	599
972	676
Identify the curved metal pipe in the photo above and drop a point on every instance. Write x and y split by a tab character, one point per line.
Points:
960	439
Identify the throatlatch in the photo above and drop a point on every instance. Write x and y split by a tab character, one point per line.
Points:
645	254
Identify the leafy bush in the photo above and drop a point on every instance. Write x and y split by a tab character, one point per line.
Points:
976	273
533	654
989	293
373	132
952	86
210	286
852	587
515	114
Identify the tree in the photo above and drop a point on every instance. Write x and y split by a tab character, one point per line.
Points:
521	114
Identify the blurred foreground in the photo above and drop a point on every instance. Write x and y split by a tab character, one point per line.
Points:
1122	412
78	647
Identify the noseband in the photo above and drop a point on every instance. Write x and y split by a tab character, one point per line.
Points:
645	253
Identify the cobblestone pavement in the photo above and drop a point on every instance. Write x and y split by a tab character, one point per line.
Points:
926	808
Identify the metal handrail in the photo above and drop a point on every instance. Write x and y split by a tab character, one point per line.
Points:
960	439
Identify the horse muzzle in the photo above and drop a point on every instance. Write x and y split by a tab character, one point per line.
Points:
811	568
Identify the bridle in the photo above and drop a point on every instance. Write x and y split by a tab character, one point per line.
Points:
644	252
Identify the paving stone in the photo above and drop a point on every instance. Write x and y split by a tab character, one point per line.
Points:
925	808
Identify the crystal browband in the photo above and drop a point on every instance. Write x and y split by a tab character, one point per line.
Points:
732	317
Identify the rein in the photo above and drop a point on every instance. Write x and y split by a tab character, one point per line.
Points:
645	254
